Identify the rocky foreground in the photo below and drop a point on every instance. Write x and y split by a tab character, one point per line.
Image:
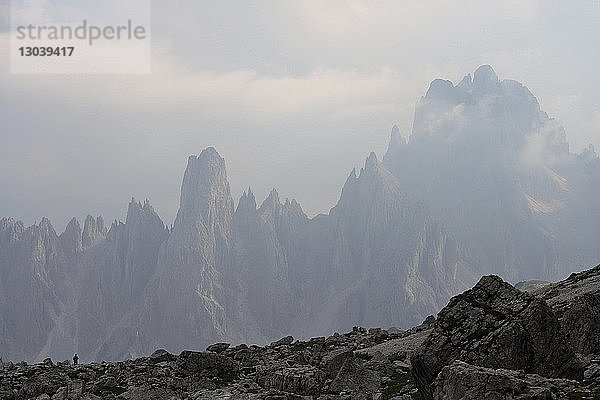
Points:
490	342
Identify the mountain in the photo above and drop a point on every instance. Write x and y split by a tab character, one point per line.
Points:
250	273
497	171
484	184
34	283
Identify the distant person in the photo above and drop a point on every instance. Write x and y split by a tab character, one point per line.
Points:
75	359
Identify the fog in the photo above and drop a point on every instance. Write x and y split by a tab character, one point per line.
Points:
293	96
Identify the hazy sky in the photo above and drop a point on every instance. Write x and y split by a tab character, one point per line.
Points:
293	94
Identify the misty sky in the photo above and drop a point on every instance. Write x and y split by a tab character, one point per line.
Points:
292	94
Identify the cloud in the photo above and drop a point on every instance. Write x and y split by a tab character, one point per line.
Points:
293	94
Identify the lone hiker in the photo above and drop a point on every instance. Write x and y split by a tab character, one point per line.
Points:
75	359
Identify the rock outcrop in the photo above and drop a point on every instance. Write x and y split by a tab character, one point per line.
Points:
460	380
497	326
576	302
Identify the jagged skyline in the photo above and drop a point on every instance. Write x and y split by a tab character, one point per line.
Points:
293	95
486	184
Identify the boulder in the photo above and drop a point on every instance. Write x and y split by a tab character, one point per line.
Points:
286	341
355	378
576	302
193	362
497	326
303	380
218	347
161	355
332	362
463	381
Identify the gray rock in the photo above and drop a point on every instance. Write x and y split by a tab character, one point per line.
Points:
304	380
332	362
146	394
218	347
161	355
462	381
193	362
495	325
355	378
286	341
576	302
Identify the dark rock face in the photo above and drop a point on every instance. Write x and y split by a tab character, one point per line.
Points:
161	355
460	380
218	347
304	380
193	362
497	326
576	302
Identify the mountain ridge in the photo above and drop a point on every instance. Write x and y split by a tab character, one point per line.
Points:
484	184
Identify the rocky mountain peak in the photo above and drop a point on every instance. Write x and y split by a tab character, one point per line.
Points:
373	177
375	171
444	92
44	233
352	177
93	231
137	210
205	193
441	89
143	222
350	187
247	203
372	162
11	229
485	80
73	225
272	205
71	238
396	139
466	84
271	202
589	153
45	225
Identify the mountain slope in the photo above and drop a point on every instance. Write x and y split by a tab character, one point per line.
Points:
498	172
485	184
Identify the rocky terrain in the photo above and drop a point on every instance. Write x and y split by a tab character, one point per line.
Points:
491	342
485	184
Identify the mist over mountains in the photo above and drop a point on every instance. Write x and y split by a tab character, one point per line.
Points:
485	184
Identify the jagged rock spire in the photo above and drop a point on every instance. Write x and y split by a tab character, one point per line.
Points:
93	231
205	193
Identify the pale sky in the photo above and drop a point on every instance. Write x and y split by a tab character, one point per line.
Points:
293	94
